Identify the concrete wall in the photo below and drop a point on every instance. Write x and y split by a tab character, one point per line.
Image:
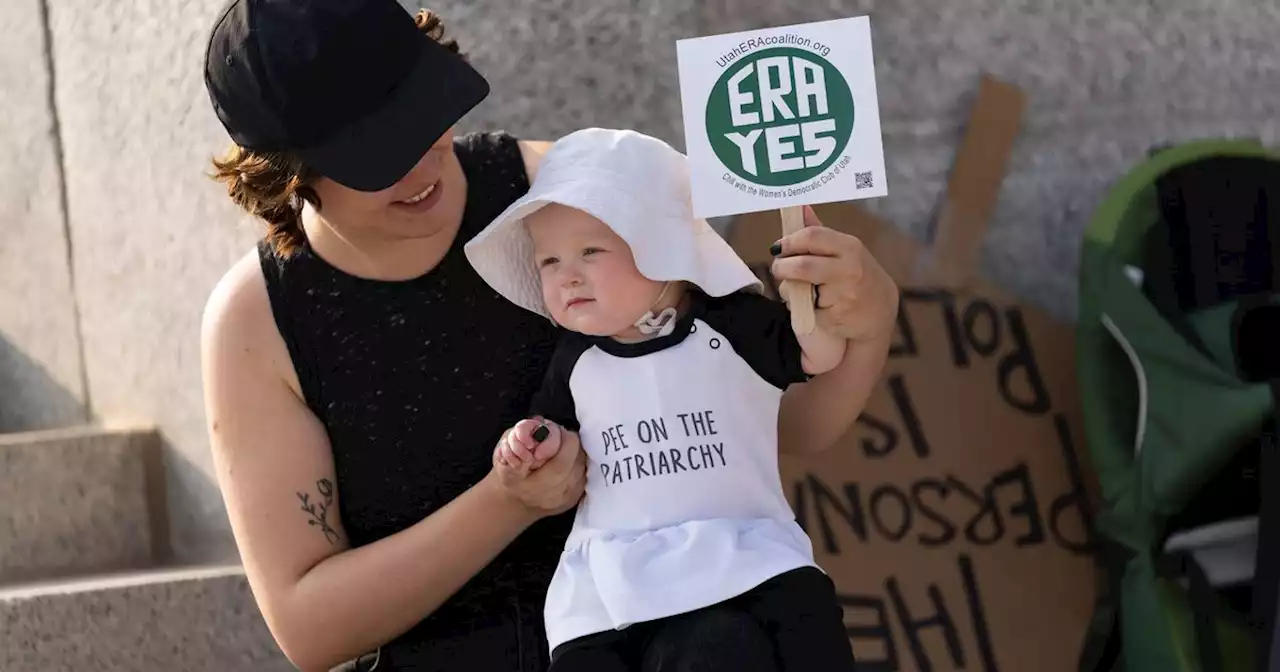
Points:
150	235
1105	82
40	372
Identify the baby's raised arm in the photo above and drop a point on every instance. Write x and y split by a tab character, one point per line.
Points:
822	351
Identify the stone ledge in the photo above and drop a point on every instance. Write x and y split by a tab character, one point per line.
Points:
191	619
76	501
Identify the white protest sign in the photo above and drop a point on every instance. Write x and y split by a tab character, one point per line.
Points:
781	117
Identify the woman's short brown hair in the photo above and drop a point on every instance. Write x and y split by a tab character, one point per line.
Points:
274	186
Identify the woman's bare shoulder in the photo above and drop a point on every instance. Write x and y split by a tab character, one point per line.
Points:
238	324
239	299
532	151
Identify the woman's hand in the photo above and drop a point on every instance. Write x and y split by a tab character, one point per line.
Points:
552	488
857	300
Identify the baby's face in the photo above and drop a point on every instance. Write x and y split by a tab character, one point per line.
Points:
590	282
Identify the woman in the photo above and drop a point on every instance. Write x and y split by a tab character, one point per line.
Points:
358	372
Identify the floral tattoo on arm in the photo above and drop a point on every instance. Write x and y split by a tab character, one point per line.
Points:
319	509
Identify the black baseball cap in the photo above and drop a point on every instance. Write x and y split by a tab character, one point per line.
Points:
351	87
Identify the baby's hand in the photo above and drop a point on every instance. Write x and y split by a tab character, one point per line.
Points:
528	445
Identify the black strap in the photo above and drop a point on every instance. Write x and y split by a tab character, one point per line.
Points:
1255	328
1101	649
1266	573
273	274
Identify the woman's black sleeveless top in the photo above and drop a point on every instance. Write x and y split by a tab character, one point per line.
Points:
415	381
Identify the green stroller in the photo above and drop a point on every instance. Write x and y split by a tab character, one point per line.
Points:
1178	348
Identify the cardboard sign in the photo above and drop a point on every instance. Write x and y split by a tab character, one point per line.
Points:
780	117
955	516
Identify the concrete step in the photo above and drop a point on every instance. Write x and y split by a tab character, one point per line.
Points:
77	501
190	619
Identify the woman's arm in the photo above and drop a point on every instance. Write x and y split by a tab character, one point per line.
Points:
532	152
814	415
858	304
323	602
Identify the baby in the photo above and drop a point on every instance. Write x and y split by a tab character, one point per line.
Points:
671	369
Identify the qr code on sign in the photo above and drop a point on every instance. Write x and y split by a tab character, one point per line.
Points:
863	180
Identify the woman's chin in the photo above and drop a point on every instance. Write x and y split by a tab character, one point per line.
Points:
424	225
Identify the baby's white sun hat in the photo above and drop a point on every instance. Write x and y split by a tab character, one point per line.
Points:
636	184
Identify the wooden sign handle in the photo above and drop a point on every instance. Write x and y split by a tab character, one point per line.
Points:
798	295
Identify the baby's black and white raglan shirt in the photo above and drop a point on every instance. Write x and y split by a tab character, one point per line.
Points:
684	505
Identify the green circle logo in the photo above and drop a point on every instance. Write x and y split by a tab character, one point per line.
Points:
779	116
